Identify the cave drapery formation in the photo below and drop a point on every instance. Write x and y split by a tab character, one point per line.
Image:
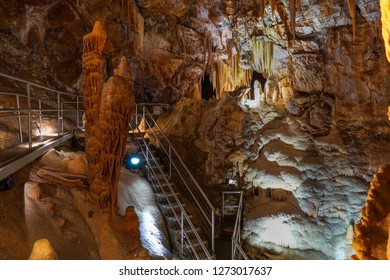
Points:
108	112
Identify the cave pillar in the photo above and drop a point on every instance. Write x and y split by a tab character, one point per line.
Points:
108	112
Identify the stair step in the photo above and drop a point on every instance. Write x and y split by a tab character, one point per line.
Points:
173	222
167	207
186	230
190	254
161	195
165	199
169	211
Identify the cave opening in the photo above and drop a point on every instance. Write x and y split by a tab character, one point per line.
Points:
260	78
207	88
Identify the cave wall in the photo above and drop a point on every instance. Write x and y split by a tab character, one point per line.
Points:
322	58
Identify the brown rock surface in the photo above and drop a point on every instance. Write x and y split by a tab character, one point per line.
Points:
372	231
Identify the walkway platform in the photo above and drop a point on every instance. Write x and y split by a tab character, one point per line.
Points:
14	158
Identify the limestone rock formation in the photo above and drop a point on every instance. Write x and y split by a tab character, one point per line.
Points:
385	17
42	250
108	111
372	231
310	186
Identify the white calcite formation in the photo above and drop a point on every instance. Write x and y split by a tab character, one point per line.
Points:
266	150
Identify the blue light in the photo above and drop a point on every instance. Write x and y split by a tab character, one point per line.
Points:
134	161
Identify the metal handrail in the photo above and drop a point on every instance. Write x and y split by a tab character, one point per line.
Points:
11	77
236	238
182	216
192	187
32	112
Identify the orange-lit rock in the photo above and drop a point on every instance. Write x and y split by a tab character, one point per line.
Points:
43	250
385	17
371	233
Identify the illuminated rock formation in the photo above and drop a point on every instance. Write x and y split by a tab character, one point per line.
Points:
108	112
42	250
352	11
92	85
372	231
385	17
117	104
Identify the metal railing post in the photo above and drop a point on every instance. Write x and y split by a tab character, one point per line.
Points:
19	120
77	112
213	231
62	117
40	116
147	161
170	161
233	244
136	115
28	89
182	231
223	207
58	114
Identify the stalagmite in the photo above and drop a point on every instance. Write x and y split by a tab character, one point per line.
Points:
107	115
352	11
385	17
116	108
42	250
93	44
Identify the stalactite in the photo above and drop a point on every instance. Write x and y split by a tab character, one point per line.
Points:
262	55
227	78
205	50
299	6
352	11
210	48
272	3
292	16
262	8
283	15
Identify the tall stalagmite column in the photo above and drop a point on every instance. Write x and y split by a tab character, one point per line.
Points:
108	112
92	87
116	108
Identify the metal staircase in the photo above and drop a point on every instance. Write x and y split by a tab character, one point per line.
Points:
177	193
189	214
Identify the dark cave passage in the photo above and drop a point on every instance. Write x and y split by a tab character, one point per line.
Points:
207	88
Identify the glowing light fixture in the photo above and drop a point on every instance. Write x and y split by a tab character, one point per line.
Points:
134	160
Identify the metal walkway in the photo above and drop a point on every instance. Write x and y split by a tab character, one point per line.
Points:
14	158
189	215
23	109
